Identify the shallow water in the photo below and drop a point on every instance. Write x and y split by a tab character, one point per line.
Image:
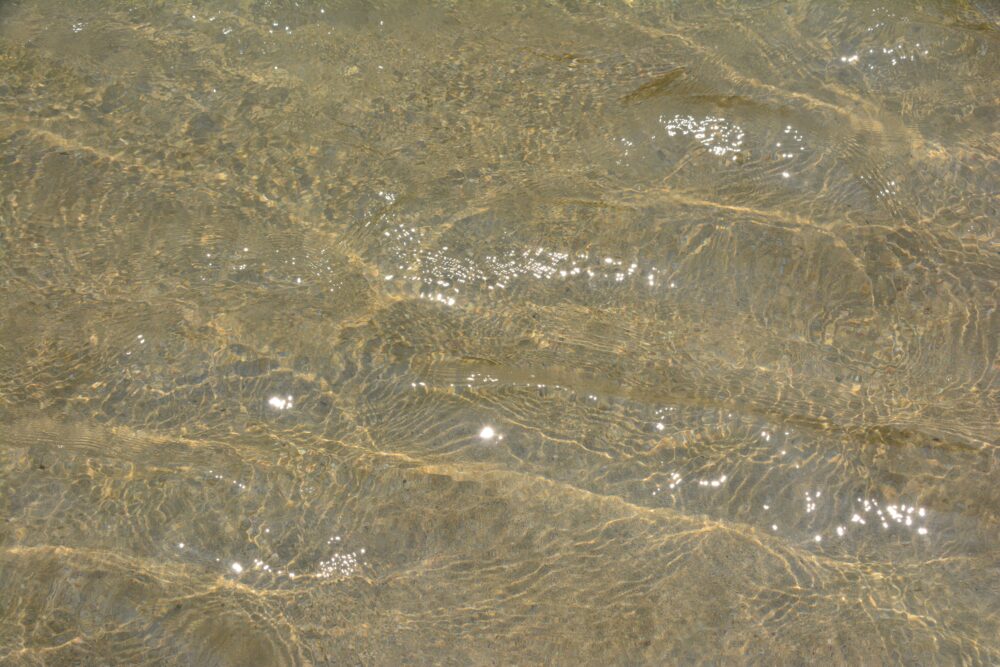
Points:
499	333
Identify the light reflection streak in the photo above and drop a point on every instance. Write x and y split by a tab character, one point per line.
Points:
340	563
719	135
864	514
442	277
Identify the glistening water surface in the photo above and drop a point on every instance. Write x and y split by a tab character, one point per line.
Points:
472	333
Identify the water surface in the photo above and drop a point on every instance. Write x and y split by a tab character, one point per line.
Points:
499	332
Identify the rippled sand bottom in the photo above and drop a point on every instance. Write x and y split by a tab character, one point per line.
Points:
255	551
549	333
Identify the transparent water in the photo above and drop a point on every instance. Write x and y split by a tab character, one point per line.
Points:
499	333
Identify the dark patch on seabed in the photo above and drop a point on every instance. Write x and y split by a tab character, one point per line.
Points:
605	333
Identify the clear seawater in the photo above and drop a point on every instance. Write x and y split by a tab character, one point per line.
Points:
519	333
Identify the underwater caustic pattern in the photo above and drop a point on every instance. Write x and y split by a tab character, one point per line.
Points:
613	332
